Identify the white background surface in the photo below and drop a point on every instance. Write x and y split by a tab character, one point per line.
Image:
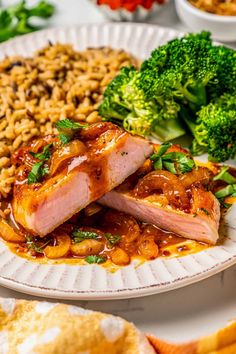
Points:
182	314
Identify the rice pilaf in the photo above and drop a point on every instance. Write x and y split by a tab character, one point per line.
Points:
57	82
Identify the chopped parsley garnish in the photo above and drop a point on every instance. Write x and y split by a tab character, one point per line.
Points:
80	235
67	128
112	239
37	172
205	211
34	245
95	259
162	150
45	154
39	169
178	161
65	139
69	124
174	162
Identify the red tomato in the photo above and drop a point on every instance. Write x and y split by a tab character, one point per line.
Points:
129	5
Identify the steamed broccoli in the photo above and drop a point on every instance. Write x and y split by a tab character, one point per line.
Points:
125	103
148	102
215	129
180	87
181	69
226	72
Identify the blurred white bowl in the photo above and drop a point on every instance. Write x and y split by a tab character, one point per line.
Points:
223	28
139	15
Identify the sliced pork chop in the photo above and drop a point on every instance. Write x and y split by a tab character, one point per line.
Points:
110	157
201	224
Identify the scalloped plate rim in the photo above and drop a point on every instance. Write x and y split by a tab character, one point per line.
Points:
105	294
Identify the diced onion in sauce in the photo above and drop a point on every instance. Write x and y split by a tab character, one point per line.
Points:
8	233
72	149
61	249
87	248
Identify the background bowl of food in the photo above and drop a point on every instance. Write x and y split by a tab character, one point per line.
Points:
216	16
129	10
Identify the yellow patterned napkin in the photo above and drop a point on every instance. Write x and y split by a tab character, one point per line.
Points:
32	327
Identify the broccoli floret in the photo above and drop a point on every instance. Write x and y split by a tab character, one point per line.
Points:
226	72
215	129
125	103
181	69
180	82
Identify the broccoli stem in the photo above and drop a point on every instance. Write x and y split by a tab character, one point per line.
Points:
195	94
167	130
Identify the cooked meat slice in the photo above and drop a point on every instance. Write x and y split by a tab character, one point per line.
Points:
200	224
110	157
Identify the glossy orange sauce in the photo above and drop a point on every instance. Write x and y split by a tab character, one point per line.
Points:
108	220
137	240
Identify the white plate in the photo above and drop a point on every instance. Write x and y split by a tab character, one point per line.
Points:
92	281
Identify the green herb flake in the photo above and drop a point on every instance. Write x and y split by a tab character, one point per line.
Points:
174	162
69	124
45	154
95	259
124	153
205	211
182	161
169	166
195	215
112	239
37	172
158	164
67	129
34	246
65	138
161	151
79	235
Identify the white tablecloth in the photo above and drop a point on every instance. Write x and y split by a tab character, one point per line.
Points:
181	314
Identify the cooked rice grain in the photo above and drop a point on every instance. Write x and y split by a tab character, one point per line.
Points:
58	82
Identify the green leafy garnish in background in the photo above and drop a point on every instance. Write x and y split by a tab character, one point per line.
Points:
95	259
16	20
67	129
80	235
174	162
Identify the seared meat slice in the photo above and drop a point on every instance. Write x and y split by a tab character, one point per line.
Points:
110	156
200	222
